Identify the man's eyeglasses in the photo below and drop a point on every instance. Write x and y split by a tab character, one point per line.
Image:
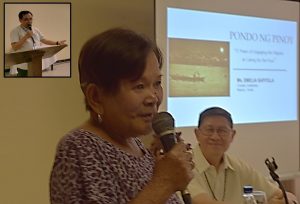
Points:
222	132
27	19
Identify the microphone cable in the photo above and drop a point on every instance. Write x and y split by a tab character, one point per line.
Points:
30	28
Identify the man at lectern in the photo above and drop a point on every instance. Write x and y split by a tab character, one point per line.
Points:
25	37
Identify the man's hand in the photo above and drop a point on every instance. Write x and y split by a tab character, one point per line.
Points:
62	42
29	34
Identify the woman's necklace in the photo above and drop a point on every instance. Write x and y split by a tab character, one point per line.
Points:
224	188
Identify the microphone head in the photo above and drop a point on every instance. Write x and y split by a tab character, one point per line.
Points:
163	123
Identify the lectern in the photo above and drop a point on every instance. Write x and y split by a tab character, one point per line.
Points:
33	58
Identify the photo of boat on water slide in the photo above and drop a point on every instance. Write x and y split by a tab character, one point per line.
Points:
198	68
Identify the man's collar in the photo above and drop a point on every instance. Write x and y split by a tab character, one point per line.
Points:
227	164
201	164
24	28
200	161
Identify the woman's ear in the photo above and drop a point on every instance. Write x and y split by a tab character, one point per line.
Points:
93	97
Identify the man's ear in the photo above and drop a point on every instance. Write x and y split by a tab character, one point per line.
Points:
93	97
197	133
233	135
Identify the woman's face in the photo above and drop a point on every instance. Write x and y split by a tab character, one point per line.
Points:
130	111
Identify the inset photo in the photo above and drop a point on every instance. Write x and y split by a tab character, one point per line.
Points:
37	40
198	68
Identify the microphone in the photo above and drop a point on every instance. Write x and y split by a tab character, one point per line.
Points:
163	125
30	28
272	166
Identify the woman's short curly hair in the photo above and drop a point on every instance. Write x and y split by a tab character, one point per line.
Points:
114	55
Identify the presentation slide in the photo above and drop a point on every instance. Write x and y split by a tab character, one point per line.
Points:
247	65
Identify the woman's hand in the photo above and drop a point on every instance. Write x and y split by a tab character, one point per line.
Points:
174	168
157	148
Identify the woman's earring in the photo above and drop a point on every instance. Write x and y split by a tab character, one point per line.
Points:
99	118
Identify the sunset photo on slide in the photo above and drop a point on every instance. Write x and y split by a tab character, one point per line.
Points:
198	68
